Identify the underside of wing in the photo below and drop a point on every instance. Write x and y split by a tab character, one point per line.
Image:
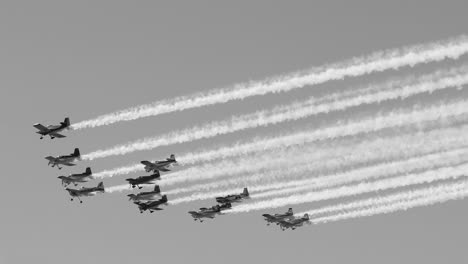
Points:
68	164
57	135
40	127
163	169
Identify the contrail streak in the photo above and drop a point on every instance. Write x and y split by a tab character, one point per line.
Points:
383	149
387	169
380	149
406	195
280	114
392	120
432	161
377	62
349	190
430	197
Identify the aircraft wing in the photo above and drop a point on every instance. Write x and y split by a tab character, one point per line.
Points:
68	164
40	127
163	169
147	163
50	158
57	135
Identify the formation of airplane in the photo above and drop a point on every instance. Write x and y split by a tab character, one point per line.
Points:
276	218
152	205
76	178
65	160
160	165
147	201
294	222
144	180
146	196
52	130
77	193
233	197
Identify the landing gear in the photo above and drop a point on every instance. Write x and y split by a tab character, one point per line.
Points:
42	137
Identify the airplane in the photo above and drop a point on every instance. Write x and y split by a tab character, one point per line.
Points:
233	197
147	196
52	130
160	165
209	212
85	191
205	213
278	217
294	223
74	178
152	206
144	180
65	159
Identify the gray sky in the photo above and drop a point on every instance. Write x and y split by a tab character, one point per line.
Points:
86	58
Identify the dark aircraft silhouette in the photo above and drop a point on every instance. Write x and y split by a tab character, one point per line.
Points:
160	165
52	130
205	213
85	191
152	206
210	212
75	178
144	180
145	196
65	159
233	197
294	223
278	217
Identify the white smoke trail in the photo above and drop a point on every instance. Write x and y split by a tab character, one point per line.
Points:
277	115
405	201
383	149
387	169
349	190
406	195
377	62
392	120
431	161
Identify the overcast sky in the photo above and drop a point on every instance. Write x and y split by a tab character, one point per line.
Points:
85	58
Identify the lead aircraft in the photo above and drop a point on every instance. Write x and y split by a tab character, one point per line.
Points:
53	130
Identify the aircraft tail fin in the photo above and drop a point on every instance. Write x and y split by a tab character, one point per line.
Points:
164	198
290	211
76	153
66	122
156	173
157	189
88	171
245	192
101	186
172	157
306	216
